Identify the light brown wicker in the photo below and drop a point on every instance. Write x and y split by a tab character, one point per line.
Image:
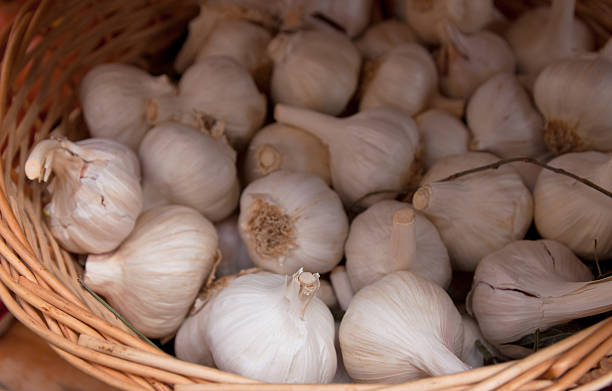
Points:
50	45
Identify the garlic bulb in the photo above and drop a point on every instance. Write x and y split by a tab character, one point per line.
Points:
575	96
95	192
282	147
292	219
318	70
215	89
341	376
466	61
113	98
326	294
234	254
443	135
542	36
342	286
470	353
383	36
587	213
530	172
477	213
189	167
384	140
405	78
530	285
350	16
401	328
272	328
156	273
390	236
503	120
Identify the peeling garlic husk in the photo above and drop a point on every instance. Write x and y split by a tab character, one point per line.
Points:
382	37
442	134
95	191
234	254
587	213
290	220
282	147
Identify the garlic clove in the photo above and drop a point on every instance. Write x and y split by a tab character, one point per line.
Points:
326	294
442	134
234	254
382	37
342	286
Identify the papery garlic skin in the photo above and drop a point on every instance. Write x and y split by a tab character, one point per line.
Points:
282	147
95	192
587	213
470	354
234	254
113	98
318	70
422	332
156	273
289	220
442	134
350	16
272	328
383	36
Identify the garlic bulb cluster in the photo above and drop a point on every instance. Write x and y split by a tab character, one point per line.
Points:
318	70
282	147
503	120
234	254
381	37
390	236
156	273
189	167
290	332
385	140
421	333
442	134
542	36
290	220
405	78
95	191
478	213
113	98
587	213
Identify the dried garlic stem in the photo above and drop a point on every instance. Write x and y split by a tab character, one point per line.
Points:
403	238
39	163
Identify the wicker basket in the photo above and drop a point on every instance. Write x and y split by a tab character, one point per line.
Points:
50	45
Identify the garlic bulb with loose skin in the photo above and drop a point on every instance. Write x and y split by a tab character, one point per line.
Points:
476	214
401	328
443	135
189	167
503	120
587	213
217	89
234	254
95	191
114	97
371	151
290	220
318	70
542	36
531	285
282	147
381	37
575	97
273	328
390	236
156	273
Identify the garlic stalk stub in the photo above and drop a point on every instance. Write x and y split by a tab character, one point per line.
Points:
371	151
421	333
234	254
443	135
272	328
96	194
381	37
156	273
289	220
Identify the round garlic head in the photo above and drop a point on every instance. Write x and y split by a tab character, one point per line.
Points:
442	134
384	36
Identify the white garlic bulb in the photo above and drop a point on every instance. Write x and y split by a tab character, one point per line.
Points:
282	147
289	220
503	120
190	167
575	97
383	36
530	172
273	328
96	194
381	241
342	286
405	78
114	97
349	16
234	254
318	70
326	294
385	141
587	213
470	353
443	135
477	213
421	333
466	61
542	36
215	89
156	273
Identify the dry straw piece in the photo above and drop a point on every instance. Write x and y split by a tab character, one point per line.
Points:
49	47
